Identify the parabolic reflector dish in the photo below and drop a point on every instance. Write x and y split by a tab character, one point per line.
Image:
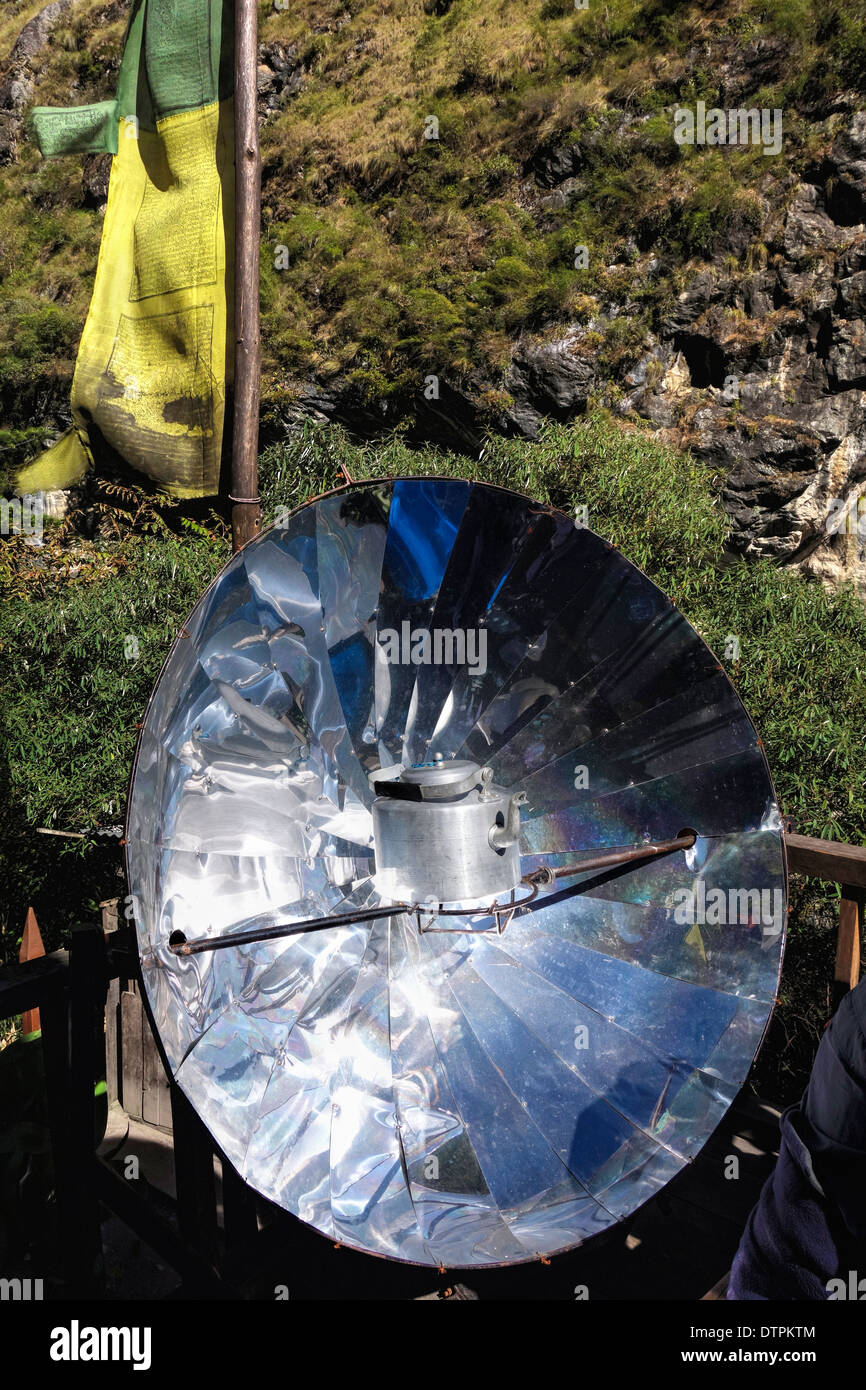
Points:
455	1089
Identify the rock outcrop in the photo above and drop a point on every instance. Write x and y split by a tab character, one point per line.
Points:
16	77
763	373
758	370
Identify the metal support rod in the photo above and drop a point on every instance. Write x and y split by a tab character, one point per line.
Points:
612	857
244	495
539	878
179	945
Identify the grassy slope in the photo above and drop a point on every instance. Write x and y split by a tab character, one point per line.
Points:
406	255
450	230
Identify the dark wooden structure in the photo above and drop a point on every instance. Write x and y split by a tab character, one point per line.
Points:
679	1245
134	1074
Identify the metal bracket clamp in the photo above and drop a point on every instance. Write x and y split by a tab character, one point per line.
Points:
425	914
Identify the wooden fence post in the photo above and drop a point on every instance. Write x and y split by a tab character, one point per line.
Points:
32	946
847	972
194	1178
88	981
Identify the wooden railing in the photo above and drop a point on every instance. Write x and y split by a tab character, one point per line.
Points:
134	1073
845	865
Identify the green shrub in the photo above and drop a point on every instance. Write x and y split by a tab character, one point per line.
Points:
42	335
71	703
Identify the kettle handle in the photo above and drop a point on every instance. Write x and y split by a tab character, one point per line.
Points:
502	837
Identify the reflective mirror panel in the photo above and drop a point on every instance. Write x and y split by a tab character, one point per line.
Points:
454	1099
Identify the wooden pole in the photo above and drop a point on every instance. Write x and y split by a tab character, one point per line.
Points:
244	495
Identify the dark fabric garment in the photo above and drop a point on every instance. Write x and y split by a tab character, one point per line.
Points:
809	1224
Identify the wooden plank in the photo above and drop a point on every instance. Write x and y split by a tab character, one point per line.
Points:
26	986
847	971
156	1096
109	910
151	1074
164	1119
109	920
122	953
847	968
55	1052
112	1049
87	1017
130	1054
827	859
